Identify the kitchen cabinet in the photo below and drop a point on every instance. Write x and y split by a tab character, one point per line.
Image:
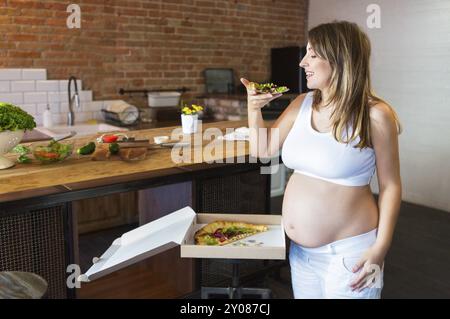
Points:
94	214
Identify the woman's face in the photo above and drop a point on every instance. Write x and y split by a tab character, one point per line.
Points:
318	70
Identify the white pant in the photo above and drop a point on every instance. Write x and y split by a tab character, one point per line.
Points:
325	272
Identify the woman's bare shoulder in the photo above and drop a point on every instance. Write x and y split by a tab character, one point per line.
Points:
380	112
287	118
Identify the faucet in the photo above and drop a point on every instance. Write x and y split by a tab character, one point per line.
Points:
72	99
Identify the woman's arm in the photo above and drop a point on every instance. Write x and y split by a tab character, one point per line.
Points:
266	141
384	138
385	143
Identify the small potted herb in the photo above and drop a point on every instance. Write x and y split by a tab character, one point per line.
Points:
13	123
189	117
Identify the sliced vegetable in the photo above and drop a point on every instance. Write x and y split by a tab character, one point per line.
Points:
53	152
109	138
86	149
114	148
47	155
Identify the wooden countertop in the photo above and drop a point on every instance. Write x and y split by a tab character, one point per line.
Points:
79	172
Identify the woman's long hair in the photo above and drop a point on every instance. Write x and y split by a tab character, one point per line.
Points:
347	48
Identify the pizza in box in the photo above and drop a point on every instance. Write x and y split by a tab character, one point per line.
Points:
221	233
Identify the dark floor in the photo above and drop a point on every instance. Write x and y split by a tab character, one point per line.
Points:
417	265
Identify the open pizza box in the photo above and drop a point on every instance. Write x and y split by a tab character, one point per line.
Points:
178	228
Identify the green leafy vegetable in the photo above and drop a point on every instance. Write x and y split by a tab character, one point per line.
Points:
21	150
24	159
267	88
13	118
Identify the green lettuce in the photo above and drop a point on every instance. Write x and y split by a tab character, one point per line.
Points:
13	118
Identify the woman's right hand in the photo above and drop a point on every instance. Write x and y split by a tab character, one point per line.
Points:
257	101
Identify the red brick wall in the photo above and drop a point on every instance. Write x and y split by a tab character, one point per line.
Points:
148	44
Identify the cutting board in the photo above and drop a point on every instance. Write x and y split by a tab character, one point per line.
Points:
33	136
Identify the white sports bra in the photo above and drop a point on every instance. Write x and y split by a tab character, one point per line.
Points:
319	155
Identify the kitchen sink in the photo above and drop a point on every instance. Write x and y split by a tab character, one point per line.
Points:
80	129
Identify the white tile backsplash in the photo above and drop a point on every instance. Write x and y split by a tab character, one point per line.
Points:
14	98
30	89
35	97
64	107
23	86
63	97
98	116
81	117
63	85
29	108
59	118
47	86
53	97
10	74
38	120
5	86
34	74
54	107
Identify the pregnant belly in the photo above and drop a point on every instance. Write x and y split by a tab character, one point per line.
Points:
317	212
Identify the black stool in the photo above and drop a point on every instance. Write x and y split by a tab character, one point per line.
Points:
235	291
22	285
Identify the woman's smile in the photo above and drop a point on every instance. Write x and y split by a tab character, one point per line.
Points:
309	74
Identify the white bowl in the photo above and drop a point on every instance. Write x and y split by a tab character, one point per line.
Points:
8	140
160	139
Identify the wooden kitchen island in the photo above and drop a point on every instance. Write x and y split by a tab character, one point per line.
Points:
41	204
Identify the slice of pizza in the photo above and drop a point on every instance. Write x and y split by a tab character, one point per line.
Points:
225	232
267	88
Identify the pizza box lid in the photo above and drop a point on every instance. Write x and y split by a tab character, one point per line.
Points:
177	229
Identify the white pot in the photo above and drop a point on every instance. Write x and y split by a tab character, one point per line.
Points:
8	140
189	123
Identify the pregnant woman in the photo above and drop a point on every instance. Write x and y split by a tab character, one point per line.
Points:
335	138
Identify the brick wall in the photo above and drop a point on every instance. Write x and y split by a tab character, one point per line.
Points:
148	44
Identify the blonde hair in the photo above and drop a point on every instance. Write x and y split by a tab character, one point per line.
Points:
347	48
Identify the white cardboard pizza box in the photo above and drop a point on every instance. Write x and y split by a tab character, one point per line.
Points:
178	228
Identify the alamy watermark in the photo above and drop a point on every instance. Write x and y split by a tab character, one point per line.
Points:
74	19
73	280
212	146
374	19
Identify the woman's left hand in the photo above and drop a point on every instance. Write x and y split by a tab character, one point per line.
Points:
371	263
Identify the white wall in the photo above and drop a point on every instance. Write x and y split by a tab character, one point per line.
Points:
411	70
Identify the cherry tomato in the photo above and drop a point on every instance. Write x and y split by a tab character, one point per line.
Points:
47	155
109	138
